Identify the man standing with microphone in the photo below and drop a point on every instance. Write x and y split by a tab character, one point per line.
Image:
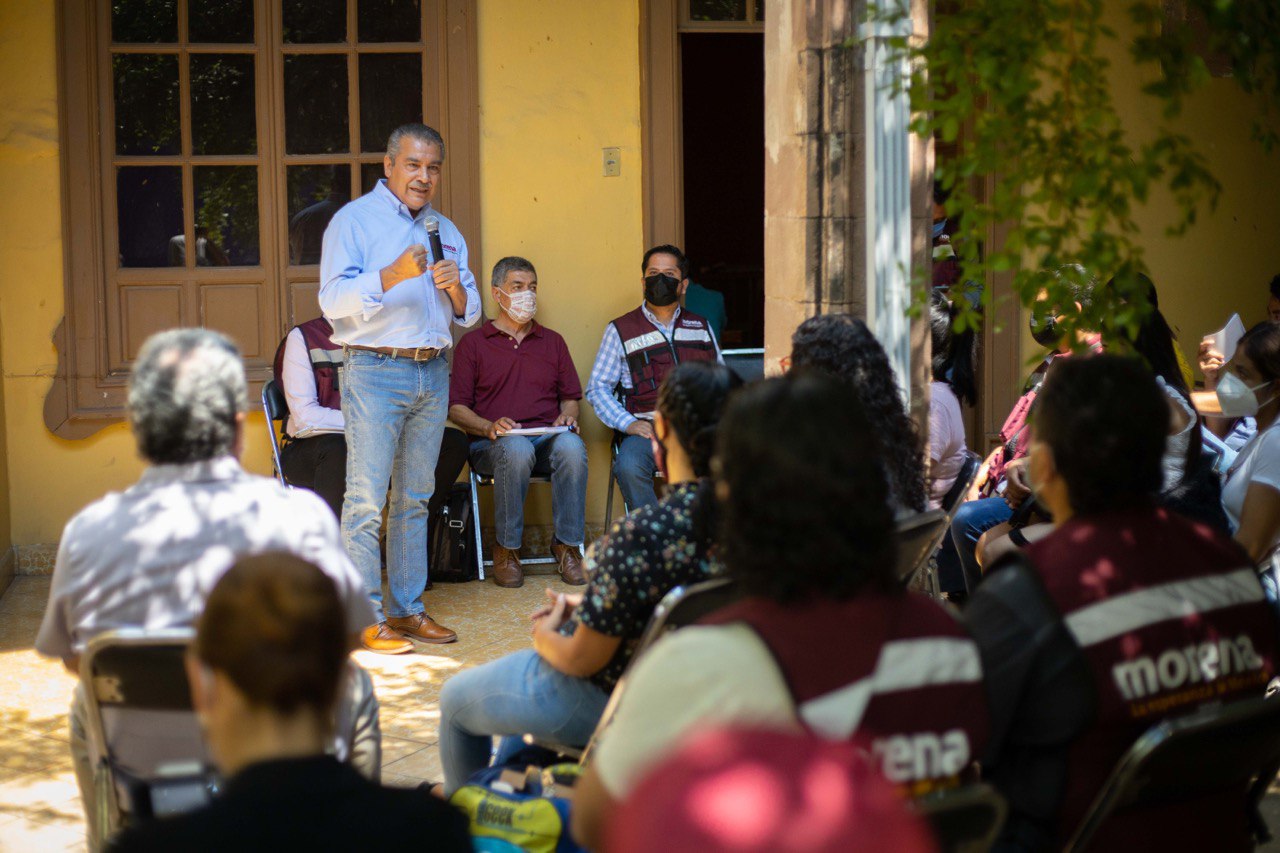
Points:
391	302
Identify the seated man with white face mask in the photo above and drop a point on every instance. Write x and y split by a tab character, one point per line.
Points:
514	374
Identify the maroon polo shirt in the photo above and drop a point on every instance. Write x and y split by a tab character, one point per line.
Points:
495	377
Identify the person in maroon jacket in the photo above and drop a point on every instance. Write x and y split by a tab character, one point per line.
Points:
826	639
307	369
636	353
1125	615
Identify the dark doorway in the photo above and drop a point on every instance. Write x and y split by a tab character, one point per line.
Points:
723	115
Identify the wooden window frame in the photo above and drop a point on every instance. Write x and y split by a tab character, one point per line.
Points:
752	24
88	391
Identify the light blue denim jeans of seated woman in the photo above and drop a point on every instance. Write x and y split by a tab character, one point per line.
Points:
512	696
394	411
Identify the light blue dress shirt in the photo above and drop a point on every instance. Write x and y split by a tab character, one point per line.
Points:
363	237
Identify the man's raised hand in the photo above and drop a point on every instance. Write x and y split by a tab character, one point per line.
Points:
411	264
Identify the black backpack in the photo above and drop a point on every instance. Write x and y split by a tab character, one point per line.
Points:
451	538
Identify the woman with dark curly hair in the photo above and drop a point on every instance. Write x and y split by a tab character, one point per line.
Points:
582	643
825	637
842	346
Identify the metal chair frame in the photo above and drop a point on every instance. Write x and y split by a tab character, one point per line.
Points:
276	410
1254	727
934	523
110	813
478	480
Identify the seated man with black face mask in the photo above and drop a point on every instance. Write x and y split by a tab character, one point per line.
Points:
637	352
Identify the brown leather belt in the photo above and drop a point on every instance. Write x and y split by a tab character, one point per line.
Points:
415	353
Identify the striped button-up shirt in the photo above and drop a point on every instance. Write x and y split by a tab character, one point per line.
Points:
364	237
610	370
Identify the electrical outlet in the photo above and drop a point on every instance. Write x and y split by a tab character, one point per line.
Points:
612	162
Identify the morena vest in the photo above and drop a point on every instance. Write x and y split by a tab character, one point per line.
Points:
1169	616
326	358
651	355
894	671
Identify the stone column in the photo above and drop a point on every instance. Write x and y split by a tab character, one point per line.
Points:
816	258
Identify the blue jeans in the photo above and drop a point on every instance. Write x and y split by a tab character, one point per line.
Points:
958	568
513	459
394	410
512	696
634	469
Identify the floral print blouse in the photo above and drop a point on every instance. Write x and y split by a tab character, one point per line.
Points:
642	558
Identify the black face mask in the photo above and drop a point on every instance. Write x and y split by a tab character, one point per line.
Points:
661	289
1045	330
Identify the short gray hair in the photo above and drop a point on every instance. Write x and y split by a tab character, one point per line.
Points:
508	265
414	130
186	388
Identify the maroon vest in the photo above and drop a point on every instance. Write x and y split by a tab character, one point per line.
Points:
897	672
326	358
651	355
1170	615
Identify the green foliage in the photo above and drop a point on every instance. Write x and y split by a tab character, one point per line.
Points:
1029	85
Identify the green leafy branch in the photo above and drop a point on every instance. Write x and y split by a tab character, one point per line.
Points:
1026	84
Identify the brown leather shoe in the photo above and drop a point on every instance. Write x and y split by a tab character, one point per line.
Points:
422	628
571	571
381	639
506	568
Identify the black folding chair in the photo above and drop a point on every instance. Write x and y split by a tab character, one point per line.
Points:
918	537
964	819
149	758
277	412
955	495
1228	748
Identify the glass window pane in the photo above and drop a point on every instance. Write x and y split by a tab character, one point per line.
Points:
146	103
717	10
223	118
144	20
370	174
390	95
226	215
149	213
225	21
315	21
759	10
315	103
315	195
390	20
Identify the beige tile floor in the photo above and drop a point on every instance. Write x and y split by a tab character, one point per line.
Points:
39	803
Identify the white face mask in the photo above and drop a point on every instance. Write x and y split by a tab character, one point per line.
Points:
1237	399
521	306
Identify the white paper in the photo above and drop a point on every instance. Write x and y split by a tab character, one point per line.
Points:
1226	338
536	431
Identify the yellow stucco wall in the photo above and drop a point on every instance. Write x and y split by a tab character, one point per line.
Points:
559	81
1224	263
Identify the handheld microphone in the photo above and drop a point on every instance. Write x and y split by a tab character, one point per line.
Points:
433	236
